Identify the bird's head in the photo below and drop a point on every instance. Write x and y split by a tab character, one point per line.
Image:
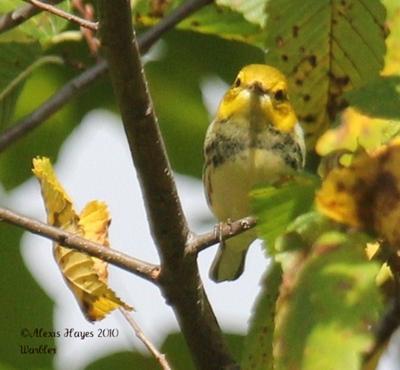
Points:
259	91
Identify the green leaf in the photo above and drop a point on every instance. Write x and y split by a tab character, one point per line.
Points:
25	306
303	232
277	206
6	367
379	98
253	10
14	59
17	62
325	48
42	27
177	352
176	92
257	352
212	19
329	307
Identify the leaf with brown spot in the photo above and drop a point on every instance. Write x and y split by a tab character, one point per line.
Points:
325	48
366	194
387	194
86	276
343	195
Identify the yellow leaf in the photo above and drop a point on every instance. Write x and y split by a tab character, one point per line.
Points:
372	249
392	58
344	189
385	274
86	276
60	211
94	221
366	194
356	129
338	145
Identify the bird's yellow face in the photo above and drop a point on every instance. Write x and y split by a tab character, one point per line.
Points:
259	91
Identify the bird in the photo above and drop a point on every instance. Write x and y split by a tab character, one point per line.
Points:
255	138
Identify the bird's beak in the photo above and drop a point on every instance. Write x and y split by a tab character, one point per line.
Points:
257	88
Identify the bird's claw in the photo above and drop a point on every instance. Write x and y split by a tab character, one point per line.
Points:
222	229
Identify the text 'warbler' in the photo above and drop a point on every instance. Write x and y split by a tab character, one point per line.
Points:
254	139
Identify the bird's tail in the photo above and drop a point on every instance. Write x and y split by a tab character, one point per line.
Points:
229	262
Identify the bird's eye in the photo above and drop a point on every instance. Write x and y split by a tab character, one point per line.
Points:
280	95
237	82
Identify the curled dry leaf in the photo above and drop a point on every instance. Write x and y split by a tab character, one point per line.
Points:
366	194
86	276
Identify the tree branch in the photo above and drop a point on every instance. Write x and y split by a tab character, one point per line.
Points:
179	279
143	269
78	84
222	231
60	13
148	344
20	15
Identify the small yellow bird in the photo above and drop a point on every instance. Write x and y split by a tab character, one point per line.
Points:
254	139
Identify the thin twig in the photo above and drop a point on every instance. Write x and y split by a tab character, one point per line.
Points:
160	357
68	16
143	269
223	231
16	17
78	84
86	11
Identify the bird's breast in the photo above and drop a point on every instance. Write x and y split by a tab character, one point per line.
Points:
236	161
230	141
